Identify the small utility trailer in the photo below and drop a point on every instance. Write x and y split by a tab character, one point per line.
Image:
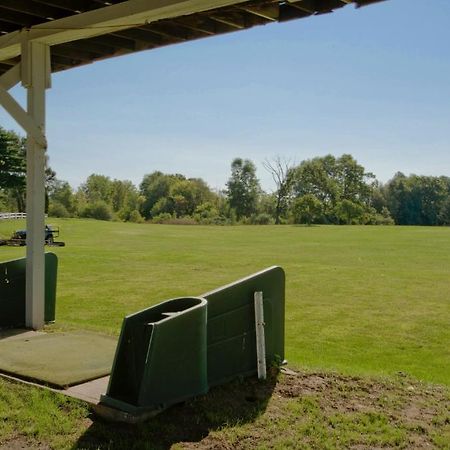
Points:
19	238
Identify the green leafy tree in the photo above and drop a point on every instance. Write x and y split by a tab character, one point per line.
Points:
307	209
378	198
188	194
98	187
349	212
13	166
153	188
62	194
444	212
208	213
332	180
97	209
354	183
125	200
418	200
243	188
318	177
173	194
13	169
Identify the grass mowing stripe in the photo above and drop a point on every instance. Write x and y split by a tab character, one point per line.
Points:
360	299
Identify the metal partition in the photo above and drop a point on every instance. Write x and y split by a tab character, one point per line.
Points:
179	348
161	356
12	291
231	324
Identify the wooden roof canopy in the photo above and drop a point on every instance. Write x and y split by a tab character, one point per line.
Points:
228	16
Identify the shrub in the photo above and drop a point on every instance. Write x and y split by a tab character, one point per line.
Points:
168	219
135	217
162	218
261	219
99	210
56	209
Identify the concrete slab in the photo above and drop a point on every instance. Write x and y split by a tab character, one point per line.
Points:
89	392
18	333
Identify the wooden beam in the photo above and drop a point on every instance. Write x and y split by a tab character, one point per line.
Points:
21	117
303	5
269	12
101	21
18	18
39	10
193	28
11	77
77	6
89	45
72	53
7	27
238	24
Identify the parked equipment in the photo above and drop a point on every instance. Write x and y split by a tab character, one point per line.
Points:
19	238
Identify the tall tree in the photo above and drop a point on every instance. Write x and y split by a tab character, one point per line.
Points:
418	200
332	180
98	187
125	198
62	194
281	171
317	177
243	187
154	187
13	166
307	209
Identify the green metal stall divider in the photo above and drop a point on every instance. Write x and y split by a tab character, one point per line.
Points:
161	356
179	348
231	325
12	290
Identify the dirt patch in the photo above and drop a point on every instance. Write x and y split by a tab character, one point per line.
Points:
21	443
344	412
290	410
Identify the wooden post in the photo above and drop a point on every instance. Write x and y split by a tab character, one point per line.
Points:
260	337
36	79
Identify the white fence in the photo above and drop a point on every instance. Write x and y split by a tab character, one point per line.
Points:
13	216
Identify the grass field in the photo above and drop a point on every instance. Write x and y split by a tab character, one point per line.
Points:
361	301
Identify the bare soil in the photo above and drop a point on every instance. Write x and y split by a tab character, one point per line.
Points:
291	409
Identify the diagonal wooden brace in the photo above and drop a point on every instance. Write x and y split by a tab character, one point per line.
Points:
21	116
10	78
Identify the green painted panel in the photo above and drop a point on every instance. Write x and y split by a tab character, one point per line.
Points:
231	324
178	348
12	290
161	356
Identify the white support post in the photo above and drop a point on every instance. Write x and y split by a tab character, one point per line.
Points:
260	337
36	79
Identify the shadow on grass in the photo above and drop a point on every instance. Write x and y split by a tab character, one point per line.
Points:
238	402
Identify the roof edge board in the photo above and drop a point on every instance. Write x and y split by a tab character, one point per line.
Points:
101	21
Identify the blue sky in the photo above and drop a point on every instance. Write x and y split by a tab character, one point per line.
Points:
373	82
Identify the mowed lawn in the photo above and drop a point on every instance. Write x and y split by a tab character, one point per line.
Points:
360	299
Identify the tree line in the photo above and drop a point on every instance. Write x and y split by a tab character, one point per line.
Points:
321	190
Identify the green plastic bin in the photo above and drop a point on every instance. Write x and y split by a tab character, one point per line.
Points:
12	290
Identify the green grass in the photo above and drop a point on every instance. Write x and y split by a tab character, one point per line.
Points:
366	302
360	299
295	411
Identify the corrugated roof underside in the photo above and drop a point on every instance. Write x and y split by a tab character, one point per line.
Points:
18	14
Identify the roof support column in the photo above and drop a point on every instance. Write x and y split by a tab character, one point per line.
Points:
36	79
